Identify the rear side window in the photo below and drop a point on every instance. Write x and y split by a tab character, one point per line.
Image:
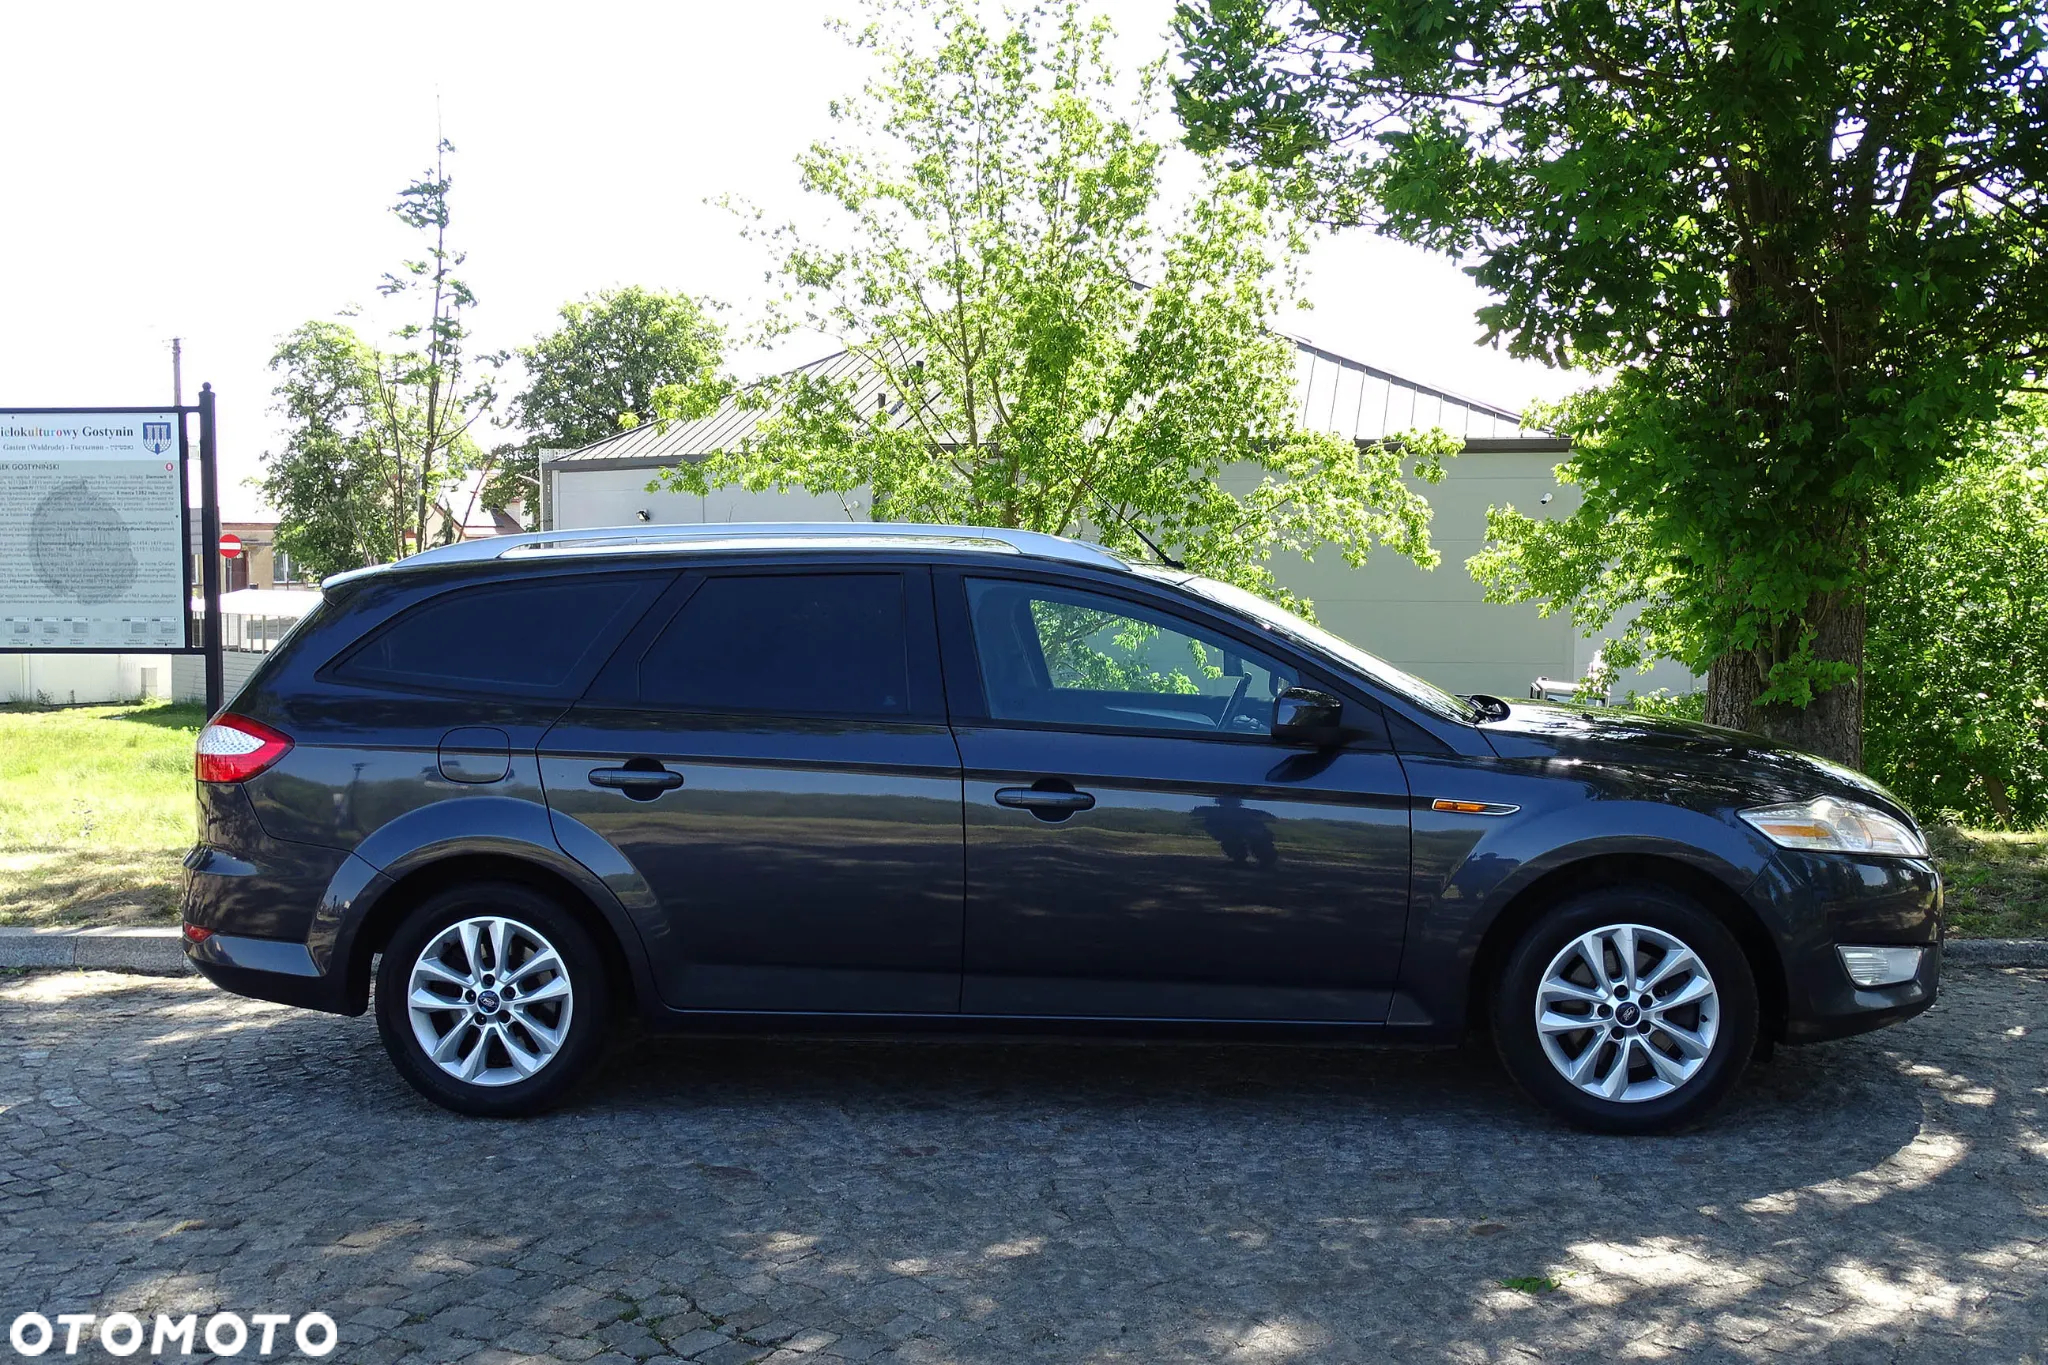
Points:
785	644
537	637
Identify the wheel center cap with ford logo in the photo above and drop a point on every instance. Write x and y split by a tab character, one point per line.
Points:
488	1002
1628	1016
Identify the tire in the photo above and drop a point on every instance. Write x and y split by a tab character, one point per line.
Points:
519	1058
1702	1030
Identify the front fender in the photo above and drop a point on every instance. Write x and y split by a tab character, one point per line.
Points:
469	826
1468	869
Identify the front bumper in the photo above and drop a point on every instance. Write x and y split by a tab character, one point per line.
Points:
1841	1008
1824	900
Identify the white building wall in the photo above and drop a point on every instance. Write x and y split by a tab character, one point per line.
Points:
617	497
1436	623
1433	623
83	679
188	673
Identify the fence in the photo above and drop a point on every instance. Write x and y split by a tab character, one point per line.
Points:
254	634
246	637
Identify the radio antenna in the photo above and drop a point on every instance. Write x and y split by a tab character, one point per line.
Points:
1164	558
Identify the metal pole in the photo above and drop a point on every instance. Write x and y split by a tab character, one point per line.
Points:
209	550
178	374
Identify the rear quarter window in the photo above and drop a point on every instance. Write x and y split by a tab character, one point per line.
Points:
538	637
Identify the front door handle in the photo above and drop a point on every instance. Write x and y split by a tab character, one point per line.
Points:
632	780
1036	799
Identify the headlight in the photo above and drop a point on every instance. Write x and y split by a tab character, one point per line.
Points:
1828	825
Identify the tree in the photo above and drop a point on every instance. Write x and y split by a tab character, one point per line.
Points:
1958	645
332	483
600	371
1038	343
1803	235
428	379
511	476
376	438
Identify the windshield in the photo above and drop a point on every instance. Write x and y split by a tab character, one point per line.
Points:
1280	621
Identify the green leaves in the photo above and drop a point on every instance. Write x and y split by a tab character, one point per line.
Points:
1803	239
1958	645
1531	1284
619	357
375	438
332	482
1043	340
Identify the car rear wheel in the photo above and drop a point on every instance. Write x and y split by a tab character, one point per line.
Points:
491	1000
1627	1009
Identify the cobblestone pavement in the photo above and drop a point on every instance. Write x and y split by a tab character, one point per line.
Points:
164	1146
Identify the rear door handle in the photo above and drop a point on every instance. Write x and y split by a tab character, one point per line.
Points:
1031	798
636	779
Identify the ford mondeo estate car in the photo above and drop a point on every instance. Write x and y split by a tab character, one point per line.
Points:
902	778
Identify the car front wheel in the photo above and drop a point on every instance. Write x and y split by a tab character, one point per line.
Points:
1627	1010
491	1000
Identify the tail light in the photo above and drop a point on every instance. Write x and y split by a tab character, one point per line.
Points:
234	749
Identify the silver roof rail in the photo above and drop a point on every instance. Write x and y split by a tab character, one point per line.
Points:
645	539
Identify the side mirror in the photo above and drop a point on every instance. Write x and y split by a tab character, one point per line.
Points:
1302	715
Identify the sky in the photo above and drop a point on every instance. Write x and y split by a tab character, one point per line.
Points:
222	173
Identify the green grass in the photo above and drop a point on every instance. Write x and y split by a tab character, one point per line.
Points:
1996	883
96	809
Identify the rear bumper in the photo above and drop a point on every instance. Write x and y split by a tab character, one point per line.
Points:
265	889
269	969
274	922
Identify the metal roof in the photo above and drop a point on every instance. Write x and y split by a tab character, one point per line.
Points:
1332	393
762	536
1351	398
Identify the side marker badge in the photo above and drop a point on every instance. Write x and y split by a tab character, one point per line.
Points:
1472	807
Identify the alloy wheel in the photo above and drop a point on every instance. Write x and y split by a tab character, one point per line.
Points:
1627	1013
490	1001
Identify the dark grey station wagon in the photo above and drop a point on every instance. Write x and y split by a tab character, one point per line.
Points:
908	778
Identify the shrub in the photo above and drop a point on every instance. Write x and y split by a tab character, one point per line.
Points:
1667	704
1956	717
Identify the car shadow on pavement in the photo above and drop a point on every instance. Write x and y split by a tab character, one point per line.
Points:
1459	1096
993	1200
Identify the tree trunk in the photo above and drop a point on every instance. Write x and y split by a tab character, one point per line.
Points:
1832	725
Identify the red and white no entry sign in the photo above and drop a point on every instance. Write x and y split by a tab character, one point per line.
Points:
230	545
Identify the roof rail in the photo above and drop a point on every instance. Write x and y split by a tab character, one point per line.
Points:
739	534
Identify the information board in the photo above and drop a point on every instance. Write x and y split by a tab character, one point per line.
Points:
92	531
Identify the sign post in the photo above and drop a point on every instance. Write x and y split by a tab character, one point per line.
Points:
95	540
209	563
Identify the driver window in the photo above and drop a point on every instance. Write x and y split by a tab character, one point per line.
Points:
1058	656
